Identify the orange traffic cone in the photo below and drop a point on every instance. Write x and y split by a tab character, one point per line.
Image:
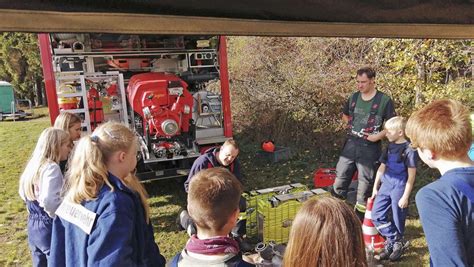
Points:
369	231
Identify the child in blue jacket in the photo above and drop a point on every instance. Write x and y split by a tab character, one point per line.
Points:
104	218
442	133
397	174
40	187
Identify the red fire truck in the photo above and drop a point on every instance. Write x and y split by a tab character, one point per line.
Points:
173	91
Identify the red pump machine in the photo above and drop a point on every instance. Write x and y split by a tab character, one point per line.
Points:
177	103
164	106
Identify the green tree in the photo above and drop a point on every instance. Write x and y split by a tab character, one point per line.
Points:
419	71
20	63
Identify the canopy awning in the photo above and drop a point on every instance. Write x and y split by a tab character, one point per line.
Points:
351	18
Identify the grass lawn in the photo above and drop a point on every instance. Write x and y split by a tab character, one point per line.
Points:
17	139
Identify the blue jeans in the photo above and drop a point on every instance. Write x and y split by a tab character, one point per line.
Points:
387	216
39	234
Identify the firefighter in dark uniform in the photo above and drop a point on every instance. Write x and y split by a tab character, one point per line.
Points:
364	112
224	157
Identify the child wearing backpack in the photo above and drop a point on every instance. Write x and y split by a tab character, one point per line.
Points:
104	218
40	187
396	175
441	132
213	204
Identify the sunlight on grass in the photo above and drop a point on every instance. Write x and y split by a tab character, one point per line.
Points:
17	140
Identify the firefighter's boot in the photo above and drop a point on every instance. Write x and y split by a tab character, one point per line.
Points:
360	211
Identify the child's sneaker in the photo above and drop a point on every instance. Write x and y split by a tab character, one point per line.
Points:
398	248
386	252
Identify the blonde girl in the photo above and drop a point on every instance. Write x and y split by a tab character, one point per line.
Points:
70	123
40	187
104	219
326	232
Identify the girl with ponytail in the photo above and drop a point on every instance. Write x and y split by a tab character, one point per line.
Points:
40	188
104	218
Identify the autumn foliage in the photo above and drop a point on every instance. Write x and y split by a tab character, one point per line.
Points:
292	90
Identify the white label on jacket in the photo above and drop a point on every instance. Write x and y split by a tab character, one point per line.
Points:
77	215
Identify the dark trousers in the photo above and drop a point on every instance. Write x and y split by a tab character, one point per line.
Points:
40	227
387	216
360	155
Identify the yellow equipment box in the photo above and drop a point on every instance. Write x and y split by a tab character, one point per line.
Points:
252	198
275	215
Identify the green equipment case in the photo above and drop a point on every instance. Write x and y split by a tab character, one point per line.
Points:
252	198
275	215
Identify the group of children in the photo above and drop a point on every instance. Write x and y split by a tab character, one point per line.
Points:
99	214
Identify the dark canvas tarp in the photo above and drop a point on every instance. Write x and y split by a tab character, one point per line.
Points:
380	18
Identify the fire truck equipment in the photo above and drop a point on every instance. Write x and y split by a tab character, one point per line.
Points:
146	82
207	110
254	196
95	107
129	63
70	64
279	154
67	102
268	146
163	101
325	177
164	106
113	97
271	255
275	215
78	47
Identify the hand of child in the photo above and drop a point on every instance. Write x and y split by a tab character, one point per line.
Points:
374	193
403	202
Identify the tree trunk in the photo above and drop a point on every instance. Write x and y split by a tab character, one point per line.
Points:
31	97
39	92
420	81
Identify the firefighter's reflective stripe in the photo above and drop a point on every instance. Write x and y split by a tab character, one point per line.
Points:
385	225
360	207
